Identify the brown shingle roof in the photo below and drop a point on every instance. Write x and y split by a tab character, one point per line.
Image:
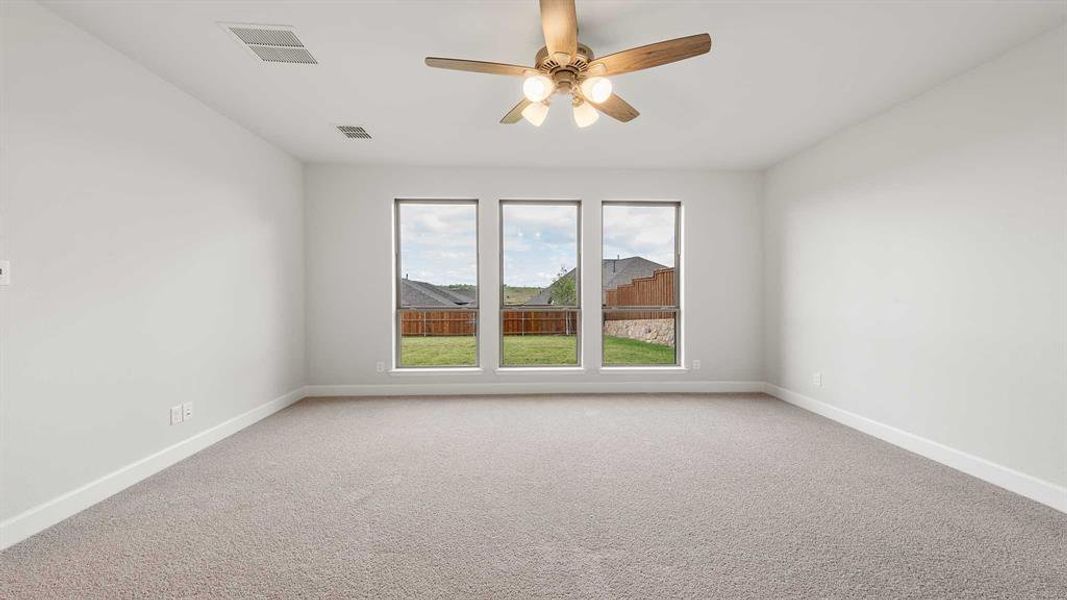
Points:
424	294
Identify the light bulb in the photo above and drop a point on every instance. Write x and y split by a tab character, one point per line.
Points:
535	113
585	115
596	89
537	88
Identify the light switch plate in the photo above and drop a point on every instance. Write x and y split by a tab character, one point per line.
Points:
5	272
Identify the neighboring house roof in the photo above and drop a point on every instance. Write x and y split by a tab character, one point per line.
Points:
421	293
620	271
614	272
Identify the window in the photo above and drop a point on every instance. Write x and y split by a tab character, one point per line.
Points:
540	287
436	283
640	284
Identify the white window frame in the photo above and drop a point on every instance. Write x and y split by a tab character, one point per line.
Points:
398	308
577	308
678	289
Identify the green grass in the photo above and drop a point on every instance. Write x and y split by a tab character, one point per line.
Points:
528	350
624	351
522	350
519	295
444	351
467	289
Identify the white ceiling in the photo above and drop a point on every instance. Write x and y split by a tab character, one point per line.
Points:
780	76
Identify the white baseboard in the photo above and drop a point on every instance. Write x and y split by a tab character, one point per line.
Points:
553	387
45	515
1040	490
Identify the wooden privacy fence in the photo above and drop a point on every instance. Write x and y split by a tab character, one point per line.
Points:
459	322
540	322
438	322
655	290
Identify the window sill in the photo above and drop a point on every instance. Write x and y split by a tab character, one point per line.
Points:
638	369
435	371
539	370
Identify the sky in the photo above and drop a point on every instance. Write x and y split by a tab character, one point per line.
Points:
646	231
540	241
438	243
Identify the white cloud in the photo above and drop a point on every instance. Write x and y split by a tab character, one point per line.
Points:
439	244
646	231
539	241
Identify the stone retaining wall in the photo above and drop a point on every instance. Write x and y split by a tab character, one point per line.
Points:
655	331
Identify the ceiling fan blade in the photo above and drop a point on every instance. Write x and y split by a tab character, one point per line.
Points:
617	108
559	21
515	115
477	66
652	55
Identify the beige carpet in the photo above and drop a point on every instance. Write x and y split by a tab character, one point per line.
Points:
669	496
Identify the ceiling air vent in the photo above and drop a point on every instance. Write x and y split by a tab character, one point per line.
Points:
272	43
351	131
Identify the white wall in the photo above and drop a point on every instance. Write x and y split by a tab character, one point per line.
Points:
157	257
918	260
158	252
350	277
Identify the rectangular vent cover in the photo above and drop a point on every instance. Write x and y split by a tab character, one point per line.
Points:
272	43
351	131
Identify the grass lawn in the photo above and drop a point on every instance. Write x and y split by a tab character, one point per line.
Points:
528	350
624	351
540	350
443	351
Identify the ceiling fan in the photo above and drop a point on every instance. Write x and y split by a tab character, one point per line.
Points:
566	67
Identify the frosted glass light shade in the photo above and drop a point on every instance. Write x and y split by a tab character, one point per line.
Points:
537	88
596	89
535	113
585	115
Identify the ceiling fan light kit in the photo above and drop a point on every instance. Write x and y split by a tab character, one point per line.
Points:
537	88
535	113
584	113
596	89
565	66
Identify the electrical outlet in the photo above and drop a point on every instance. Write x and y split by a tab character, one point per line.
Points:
5	272
696	365
816	378
187	411
379	367
175	414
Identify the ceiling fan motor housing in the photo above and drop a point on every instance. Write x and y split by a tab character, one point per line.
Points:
568	76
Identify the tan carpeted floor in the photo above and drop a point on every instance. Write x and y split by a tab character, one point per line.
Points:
666	496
